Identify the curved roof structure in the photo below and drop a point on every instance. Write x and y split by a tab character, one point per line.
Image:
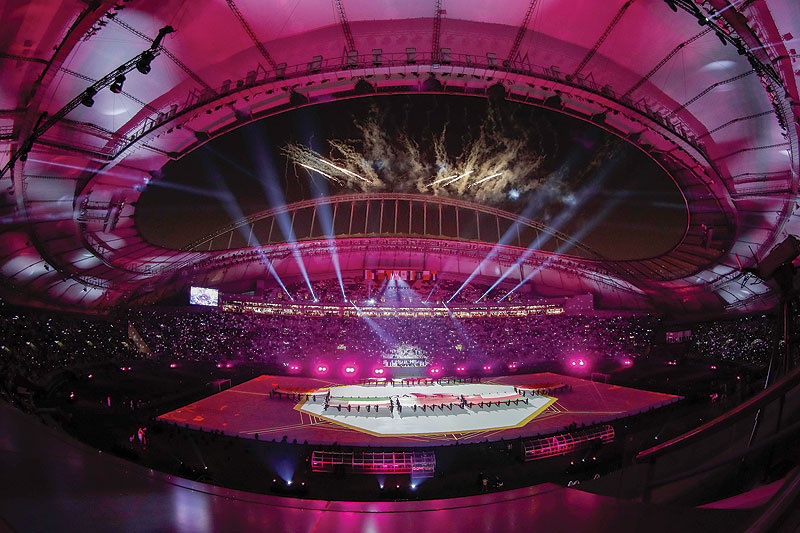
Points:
708	90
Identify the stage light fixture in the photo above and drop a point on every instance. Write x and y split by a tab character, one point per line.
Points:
88	97
296	99
496	92
116	87
143	65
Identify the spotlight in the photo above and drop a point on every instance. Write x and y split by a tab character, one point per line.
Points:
88	97
116	87
296	99
431	85
363	87
513	194
143	65
496	92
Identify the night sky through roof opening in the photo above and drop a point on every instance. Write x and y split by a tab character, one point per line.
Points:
582	179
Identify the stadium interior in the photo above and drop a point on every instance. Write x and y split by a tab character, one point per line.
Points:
447	265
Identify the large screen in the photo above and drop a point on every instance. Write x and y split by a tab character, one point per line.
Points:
203	296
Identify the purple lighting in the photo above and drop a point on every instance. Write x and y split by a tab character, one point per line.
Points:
294	368
321	369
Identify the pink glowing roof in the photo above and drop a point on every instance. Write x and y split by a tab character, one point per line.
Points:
726	133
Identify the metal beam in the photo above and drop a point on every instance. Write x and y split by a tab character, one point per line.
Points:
345	24
437	31
603	37
734	121
708	90
665	61
167	53
512	54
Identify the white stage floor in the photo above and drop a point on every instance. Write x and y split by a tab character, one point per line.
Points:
429	421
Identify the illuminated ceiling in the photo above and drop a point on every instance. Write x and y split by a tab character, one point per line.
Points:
720	119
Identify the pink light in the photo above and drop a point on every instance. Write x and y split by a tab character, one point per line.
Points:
460	369
581	362
713	367
487	367
573	363
219	365
512	366
379	371
322	369
173	365
627	362
228	365
435	370
294	367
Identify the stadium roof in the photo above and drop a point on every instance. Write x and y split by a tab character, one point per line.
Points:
708	90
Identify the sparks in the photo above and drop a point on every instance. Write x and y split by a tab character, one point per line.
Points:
484	179
344	170
320	172
444	179
458	178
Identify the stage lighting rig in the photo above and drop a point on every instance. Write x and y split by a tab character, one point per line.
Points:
114	79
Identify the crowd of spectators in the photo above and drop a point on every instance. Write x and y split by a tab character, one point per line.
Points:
285	339
743	340
36	343
394	292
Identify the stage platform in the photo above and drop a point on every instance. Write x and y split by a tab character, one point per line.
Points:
320	411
